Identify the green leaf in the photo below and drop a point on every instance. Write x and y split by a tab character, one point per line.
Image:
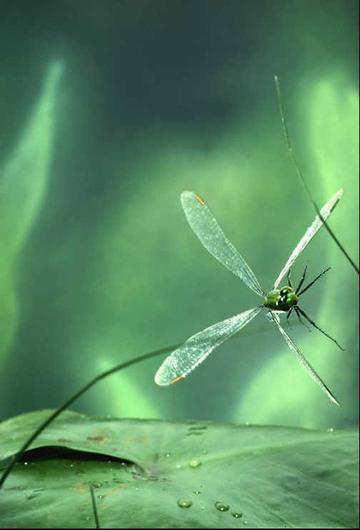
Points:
142	470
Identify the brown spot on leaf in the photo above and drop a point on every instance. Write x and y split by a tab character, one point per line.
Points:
80	487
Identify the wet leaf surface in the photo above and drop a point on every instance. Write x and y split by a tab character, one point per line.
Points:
157	474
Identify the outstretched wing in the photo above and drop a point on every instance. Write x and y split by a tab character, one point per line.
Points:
214	240
309	234
303	361
195	350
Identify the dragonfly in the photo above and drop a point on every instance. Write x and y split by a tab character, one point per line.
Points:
280	300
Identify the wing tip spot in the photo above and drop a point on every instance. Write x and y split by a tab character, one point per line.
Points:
199	199
179	378
161	382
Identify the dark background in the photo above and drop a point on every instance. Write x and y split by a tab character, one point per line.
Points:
109	109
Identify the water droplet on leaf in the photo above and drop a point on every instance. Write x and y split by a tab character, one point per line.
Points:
31	496
184	503
237	515
221	506
195	462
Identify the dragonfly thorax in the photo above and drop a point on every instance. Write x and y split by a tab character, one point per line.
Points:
281	299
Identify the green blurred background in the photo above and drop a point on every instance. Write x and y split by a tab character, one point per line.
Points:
109	109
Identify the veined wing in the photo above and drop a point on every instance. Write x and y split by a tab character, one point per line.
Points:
303	361
309	234
214	240
195	350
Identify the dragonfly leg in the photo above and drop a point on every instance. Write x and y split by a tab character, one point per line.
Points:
301	320
312	283
288	315
301	280
289	278
318	328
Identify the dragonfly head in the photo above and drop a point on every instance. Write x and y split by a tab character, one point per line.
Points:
288	297
281	299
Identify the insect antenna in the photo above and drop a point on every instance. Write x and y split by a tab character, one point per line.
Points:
318	328
311	283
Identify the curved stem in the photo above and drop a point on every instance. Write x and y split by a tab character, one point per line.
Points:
73	398
302	178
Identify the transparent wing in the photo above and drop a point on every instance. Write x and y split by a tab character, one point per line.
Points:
309	234
303	361
195	350
214	240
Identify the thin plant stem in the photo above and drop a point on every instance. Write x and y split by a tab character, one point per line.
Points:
16	458
302	178
94	507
